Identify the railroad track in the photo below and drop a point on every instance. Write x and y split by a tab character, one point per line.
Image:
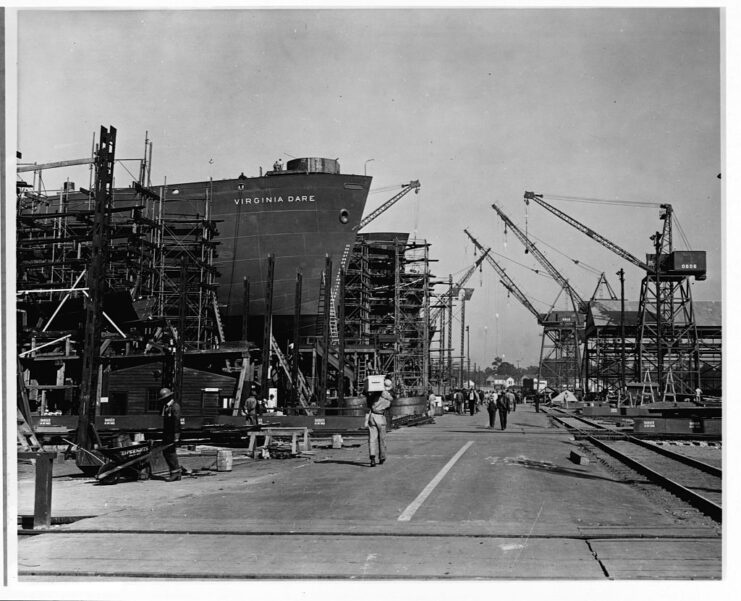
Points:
696	482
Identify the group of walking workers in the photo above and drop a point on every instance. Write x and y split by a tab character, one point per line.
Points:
502	403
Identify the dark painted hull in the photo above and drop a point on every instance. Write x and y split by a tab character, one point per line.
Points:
293	215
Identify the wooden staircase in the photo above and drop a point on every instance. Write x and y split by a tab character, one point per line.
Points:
303	389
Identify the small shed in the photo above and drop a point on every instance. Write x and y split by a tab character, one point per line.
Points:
135	390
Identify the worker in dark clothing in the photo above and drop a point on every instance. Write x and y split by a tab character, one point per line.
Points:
170	432
491	409
458	398
503	405
473	399
249	408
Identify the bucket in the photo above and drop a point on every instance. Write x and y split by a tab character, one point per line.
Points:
224	460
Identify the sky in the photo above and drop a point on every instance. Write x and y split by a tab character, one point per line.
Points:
479	105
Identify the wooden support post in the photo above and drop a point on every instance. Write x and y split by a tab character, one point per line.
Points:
341	341
42	496
295	392
246	311
42	492
268	327
325	336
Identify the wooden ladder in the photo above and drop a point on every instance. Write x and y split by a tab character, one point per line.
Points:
217	316
334	334
669	386
27	440
303	388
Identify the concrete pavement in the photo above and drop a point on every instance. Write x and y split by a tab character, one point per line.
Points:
454	500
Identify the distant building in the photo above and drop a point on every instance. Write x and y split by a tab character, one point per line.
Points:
495	382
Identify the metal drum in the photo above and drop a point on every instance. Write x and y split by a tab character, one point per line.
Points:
409	405
354	406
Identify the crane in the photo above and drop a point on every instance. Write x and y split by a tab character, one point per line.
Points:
577	301
559	359
666	342
459	284
538	198
506	280
406	188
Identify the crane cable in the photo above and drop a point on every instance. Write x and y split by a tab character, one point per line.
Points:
682	235
630	203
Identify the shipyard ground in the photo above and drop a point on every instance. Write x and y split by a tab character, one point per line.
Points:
455	500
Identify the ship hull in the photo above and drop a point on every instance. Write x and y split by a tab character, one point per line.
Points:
300	218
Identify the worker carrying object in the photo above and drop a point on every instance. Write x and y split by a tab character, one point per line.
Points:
375	421
170	432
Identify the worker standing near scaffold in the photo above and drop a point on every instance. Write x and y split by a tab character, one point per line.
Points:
170	432
375	421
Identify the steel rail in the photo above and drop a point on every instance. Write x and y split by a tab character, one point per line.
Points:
706	506
689	461
709	508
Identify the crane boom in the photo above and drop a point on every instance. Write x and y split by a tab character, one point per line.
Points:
506	280
458	285
538	198
576	300
406	188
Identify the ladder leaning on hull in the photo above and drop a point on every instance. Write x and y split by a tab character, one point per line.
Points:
304	393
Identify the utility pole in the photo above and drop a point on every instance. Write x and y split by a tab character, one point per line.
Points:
659	333
468	351
96	278
621	275
450	331
443	370
463	334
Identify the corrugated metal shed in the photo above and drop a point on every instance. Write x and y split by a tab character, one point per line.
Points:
606	314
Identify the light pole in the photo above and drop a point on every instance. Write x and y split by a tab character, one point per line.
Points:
486	344
468	351
365	165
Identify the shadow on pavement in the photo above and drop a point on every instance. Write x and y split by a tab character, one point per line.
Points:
554	469
357	463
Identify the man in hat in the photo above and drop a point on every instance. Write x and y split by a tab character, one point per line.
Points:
376	421
170	432
250	407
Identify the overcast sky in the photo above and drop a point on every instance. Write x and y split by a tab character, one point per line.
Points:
479	105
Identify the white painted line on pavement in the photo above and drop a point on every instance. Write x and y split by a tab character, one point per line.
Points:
407	514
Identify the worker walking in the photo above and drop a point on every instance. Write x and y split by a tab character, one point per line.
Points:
431	398
375	421
503	406
170	432
458	397
473	399
491	409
